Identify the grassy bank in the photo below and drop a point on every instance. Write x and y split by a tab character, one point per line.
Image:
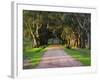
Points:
32	57
83	55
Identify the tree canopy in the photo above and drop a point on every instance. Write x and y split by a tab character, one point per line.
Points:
72	29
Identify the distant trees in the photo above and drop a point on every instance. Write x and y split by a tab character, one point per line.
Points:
73	29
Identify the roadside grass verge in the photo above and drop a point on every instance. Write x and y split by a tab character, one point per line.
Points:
83	55
32	57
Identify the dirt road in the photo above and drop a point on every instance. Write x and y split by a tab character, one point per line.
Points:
56	57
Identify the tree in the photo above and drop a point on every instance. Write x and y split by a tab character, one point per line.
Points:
84	22
40	26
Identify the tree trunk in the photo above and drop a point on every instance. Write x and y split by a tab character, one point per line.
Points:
88	41
79	42
37	34
34	42
82	41
69	43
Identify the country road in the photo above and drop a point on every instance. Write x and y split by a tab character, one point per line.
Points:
56	57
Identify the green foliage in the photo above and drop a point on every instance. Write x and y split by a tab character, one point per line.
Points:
33	56
50	41
38	27
83	55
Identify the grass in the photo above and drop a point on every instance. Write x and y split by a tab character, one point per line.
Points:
33	56
83	55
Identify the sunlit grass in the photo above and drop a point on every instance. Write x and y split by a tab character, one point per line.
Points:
83	55
33	56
